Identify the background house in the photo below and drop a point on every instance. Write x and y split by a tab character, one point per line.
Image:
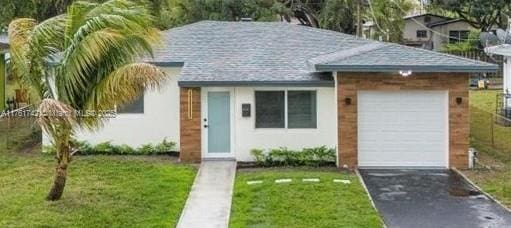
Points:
430	31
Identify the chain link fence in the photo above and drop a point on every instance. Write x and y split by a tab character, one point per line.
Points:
19	133
490	132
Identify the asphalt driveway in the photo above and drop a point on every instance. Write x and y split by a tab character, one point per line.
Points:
431	198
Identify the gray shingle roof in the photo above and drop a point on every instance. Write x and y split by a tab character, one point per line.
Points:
242	53
391	57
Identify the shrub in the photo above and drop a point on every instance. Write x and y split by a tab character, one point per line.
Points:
146	149
258	155
318	156
108	148
165	146
103	148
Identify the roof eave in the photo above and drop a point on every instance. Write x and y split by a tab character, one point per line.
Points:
166	64
397	68
325	83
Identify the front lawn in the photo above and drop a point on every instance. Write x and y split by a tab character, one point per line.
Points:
300	204
495	173
102	191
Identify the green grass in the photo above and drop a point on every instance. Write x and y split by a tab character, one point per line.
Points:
299	204
484	130
496	180
102	191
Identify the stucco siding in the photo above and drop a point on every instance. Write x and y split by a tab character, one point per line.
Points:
160	119
248	137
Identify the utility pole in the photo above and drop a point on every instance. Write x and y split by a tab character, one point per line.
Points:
359	18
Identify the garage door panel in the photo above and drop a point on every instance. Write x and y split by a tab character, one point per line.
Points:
402	128
405	137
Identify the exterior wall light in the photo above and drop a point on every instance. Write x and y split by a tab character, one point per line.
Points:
347	100
459	100
405	73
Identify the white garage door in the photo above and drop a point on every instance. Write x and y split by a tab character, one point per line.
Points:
403	129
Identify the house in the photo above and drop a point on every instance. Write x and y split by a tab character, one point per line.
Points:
4	49
236	86
430	31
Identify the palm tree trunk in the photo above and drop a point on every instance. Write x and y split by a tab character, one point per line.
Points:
59	183
63	159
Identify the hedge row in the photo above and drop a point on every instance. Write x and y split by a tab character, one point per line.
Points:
107	148
318	156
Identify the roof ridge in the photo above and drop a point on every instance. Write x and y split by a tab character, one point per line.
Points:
344	54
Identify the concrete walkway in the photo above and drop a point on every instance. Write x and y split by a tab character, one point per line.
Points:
209	202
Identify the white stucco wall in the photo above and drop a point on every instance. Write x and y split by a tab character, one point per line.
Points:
247	137
160	119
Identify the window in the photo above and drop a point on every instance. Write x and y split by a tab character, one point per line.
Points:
422	34
135	107
301	109
271	111
427	19
458	36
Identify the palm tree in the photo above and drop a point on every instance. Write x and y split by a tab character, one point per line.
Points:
80	61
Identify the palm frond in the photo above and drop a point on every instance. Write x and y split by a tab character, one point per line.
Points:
124	85
47	38
76	14
53	114
20	32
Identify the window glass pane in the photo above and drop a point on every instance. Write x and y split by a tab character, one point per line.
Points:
422	34
269	109
464	35
454	36
301	109
137	106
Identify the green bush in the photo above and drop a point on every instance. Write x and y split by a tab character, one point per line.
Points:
318	156
108	148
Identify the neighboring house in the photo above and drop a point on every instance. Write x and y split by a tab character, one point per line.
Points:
4	49
236	86
430	31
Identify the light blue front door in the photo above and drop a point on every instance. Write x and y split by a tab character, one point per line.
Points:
219	122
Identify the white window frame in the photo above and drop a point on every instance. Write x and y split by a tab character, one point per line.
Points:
285	107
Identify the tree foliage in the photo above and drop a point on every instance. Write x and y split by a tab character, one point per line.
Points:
37	9
388	18
482	14
339	15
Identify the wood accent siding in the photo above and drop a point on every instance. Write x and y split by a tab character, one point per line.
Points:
190	124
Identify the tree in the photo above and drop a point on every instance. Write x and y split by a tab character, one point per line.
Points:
37	9
482	14
339	15
388	18
84	61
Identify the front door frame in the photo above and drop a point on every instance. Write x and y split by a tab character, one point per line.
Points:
204	122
